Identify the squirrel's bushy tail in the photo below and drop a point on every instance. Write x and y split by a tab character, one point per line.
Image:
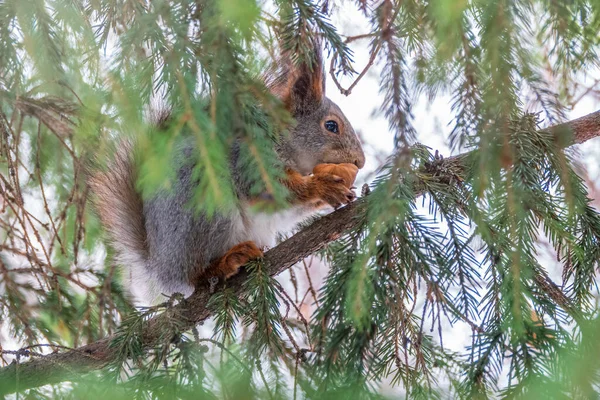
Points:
120	208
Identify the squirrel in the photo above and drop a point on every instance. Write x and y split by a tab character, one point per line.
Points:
168	248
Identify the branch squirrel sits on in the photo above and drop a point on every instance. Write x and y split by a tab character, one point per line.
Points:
166	247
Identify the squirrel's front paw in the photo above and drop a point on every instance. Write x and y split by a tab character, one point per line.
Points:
332	189
229	264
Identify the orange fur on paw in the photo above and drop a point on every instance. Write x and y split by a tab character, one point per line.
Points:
229	264
318	189
345	171
332	189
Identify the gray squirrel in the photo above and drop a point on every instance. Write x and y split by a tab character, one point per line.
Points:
166	248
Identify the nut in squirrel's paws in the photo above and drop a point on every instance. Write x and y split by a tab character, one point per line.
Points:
334	183
346	171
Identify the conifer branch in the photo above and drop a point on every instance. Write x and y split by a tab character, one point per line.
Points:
165	327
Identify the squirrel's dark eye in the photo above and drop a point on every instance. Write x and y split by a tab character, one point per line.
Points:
332	126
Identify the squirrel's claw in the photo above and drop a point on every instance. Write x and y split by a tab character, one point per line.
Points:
212	282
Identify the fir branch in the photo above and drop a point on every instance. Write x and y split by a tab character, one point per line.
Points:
63	366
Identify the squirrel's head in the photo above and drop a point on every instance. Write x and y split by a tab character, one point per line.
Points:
321	133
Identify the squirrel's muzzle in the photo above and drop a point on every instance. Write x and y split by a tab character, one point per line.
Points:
341	156
359	159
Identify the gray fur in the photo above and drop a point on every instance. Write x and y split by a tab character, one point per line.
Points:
182	240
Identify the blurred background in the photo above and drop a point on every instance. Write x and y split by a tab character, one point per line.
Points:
59	284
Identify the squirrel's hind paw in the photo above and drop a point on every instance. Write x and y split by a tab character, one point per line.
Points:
229	264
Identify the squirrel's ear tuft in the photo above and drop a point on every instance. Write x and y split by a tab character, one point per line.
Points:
300	84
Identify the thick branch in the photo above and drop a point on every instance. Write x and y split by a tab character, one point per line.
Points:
63	366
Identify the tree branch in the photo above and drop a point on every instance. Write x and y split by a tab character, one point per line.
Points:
58	367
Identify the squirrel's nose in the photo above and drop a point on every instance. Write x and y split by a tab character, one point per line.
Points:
360	160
